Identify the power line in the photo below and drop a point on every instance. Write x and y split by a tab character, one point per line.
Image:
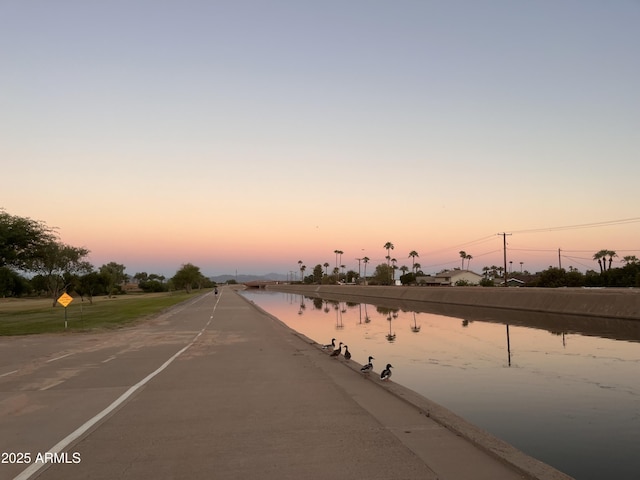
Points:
466	244
608	223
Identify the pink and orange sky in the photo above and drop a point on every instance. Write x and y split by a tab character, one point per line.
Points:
245	136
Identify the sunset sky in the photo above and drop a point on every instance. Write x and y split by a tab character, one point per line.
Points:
243	136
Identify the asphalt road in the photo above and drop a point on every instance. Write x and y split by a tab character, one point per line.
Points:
216	388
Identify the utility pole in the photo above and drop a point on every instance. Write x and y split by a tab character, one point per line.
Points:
559	260
504	243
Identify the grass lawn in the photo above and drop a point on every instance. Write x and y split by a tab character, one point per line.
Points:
30	316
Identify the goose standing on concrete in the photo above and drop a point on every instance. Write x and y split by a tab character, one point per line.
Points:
337	351
347	353
331	346
368	367
386	373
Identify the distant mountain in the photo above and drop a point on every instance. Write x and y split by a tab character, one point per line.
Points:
249	278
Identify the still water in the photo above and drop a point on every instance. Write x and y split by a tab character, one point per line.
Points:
562	389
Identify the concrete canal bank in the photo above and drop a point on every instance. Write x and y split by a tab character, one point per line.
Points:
607	303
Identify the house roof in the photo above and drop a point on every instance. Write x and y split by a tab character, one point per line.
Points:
456	273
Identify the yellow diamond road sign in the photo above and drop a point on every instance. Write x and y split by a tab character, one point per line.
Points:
65	300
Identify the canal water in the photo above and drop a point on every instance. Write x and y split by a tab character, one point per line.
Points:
562	389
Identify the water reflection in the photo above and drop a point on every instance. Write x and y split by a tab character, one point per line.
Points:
508	346
563	389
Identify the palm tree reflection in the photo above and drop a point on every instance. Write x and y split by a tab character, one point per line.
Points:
508	346
415	328
390	336
302	305
339	324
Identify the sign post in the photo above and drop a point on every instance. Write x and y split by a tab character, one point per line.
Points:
65	299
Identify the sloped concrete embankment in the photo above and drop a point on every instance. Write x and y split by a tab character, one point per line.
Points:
610	303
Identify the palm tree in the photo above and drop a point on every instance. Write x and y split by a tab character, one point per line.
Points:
302	269
365	260
599	256
463	256
404	269
417	268
630	260
611	254
413	254
469	258
299	267
326	266
389	246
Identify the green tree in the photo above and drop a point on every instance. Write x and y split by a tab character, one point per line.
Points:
188	277
114	276
55	262
150	283
382	274
141	276
351	276
408	278
21	239
551	278
12	284
91	284
317	273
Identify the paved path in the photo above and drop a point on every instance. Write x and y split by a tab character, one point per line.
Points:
217	389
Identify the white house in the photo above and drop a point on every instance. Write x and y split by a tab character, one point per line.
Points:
450	277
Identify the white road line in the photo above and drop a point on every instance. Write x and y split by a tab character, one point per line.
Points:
54	384
58	358
112	357
64	443
8	373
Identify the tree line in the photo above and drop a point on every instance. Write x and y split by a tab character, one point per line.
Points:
627	275
34	261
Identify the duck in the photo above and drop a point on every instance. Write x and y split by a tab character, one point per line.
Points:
347	353
367	368
331	346
337	351
386	373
